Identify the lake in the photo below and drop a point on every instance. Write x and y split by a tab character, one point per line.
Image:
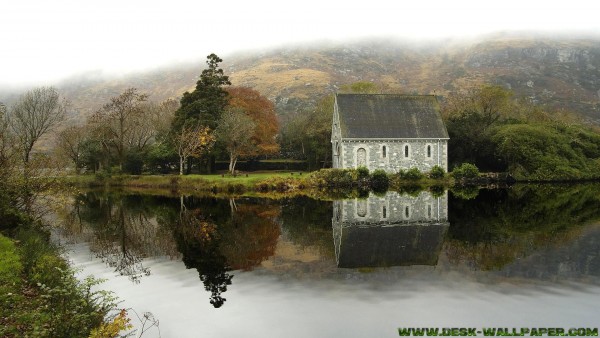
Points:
522	257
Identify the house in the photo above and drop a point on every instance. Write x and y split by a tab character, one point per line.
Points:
390	230
389	132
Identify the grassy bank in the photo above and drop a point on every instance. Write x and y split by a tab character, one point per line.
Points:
323	183
39	294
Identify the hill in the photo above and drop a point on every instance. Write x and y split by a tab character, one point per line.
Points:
558	72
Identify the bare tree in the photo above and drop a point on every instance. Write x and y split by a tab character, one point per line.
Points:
119	122
70	142
235	132
193	142
34	114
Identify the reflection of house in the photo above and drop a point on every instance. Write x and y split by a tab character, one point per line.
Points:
389	132
390	230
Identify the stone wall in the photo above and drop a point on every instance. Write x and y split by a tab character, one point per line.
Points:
395	157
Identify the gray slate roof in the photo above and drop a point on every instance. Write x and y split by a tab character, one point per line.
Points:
390	116
399	245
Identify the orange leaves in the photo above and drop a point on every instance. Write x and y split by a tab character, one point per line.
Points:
262	112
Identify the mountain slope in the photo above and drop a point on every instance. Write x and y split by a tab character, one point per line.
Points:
561	73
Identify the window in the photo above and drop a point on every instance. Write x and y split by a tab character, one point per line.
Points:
361	157
429	211
429	151
406	151
361	208
383	151
384	212
407	212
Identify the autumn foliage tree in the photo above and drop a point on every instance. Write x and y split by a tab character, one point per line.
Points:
262	111
193	142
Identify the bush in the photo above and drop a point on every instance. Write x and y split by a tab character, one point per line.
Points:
412	174
134	163
333	178
362	172
437	172
379	180
465	170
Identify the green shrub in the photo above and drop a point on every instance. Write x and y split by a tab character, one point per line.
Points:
362	172
465	170
134	163
333	178
437	172
379	180
412	174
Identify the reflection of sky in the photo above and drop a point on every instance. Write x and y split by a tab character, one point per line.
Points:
351	304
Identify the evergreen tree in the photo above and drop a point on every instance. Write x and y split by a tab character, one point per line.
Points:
205	104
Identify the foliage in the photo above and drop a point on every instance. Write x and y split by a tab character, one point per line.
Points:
437	172
262	112
465	170
362	172
549	152
235	133
112	328
193	142
379	180
308	134
48	301
207	102
412	174
333	178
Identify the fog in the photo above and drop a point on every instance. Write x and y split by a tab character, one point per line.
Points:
43	42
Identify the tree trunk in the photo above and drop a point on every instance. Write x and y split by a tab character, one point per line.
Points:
181	160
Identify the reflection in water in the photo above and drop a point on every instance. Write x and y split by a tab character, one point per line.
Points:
213	236
526	234
218	236
508	230
389	230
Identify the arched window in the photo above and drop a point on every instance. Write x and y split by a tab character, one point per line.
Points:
406	151
407	212
383	151
384	212
361	157
361	208
429	211
428	150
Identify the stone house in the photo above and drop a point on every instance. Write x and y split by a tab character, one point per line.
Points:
389	132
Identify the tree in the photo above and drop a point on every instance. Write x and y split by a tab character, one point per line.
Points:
308	135
262	112
70	142
207	102
33	115
470	117
122	125
193	142
235	132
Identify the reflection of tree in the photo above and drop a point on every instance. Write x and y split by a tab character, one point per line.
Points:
307	222
198	241
500	226
122	231
252	233
217	236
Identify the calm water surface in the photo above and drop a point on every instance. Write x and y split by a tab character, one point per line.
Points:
528	256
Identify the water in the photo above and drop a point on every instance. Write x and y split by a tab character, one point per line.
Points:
528	256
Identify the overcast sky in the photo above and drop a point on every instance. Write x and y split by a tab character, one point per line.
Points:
42	41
